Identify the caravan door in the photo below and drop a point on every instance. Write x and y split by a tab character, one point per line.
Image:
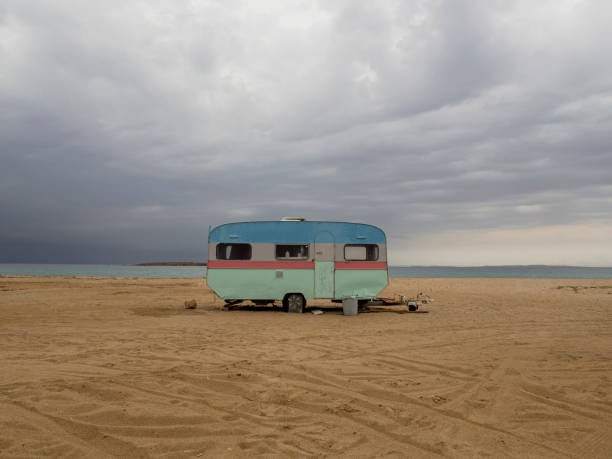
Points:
324	250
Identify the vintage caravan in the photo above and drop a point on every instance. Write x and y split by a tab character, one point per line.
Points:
295	260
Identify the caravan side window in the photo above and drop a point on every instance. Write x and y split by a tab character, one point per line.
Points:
233	251
361	252
292	252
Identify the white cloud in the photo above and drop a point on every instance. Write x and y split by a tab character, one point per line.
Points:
574	245
528	208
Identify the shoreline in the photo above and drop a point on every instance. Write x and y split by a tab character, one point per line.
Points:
10	276
394	272
172	263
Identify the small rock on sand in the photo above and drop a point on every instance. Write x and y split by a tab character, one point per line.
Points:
190	304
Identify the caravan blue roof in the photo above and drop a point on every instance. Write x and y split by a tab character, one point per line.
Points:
296	232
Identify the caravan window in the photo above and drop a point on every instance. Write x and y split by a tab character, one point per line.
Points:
361	252
292	252
233	251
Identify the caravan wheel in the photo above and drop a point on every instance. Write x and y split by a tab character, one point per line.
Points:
295	303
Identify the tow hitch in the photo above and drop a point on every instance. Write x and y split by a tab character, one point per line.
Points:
412	304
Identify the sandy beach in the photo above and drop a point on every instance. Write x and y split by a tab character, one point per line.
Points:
103	367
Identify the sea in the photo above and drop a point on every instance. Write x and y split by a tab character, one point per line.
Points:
195	272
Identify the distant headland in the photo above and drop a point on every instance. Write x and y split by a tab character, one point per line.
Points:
172	263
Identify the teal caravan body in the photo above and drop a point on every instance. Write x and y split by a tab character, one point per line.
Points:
292	259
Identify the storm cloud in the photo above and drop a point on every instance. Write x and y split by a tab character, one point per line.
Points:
471	132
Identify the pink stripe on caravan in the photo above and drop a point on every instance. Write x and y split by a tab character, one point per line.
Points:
360	265
262	264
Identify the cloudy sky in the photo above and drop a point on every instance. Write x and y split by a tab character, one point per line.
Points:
472	132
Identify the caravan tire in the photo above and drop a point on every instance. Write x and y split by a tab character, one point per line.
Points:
295	303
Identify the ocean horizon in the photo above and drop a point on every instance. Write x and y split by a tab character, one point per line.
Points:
195	272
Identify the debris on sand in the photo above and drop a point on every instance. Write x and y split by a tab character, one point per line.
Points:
191	304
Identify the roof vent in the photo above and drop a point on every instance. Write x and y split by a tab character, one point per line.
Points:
293	219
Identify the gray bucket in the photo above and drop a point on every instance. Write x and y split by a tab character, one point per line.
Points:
350	305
